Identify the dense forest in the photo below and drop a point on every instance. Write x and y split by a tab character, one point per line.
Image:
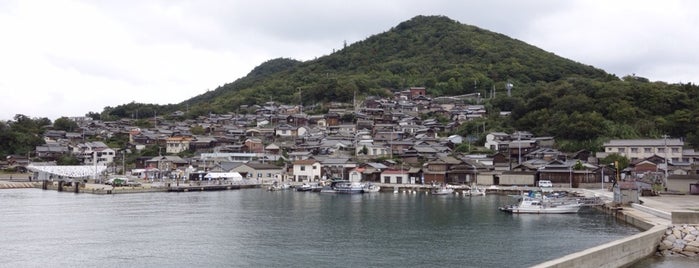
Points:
580	105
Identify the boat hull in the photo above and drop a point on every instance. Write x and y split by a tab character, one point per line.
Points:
529	205
556	210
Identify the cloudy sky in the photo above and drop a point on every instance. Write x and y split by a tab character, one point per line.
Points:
67	58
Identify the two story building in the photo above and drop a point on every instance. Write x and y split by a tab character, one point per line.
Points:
670	149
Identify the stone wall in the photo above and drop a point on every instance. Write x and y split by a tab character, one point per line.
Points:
680	240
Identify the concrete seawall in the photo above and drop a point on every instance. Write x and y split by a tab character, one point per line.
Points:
619	253
654	219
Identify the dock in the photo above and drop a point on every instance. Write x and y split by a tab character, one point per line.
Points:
191	188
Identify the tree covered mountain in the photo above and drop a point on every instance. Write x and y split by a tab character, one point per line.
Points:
552	95
446	57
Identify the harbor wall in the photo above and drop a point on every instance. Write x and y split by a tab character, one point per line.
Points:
619	253
622	252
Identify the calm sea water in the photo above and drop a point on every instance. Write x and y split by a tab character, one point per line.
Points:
256	228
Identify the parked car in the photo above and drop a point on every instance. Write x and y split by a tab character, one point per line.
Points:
117	182
133	183
545	183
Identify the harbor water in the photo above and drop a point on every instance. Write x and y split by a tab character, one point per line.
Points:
257	228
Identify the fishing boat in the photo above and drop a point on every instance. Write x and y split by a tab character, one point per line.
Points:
309	187
442	190
347	187
277	186
371	188
543	205
475	191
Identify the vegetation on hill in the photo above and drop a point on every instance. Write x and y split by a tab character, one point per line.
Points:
21	135
581	106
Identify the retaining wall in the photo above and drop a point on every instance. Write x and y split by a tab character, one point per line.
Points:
619	253
622	252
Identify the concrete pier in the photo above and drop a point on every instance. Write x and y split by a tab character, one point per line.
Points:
655	216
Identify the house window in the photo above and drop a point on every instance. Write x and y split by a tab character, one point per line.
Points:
269	175
634	150
399	179
314	167
661	150
675	150
303	168
386	179
647	150
622	150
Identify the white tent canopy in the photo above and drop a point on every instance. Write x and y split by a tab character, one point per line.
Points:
224	175
69	171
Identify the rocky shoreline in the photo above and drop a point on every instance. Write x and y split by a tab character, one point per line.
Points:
680	240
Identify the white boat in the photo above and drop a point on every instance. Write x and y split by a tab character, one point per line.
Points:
346	187
534	205
442	190
277	187
475	191
309	187
371	188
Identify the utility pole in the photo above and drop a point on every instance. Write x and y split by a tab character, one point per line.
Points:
667	166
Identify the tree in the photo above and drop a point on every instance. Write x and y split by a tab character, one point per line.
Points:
65	124
67	160
615	158
197	130
142	123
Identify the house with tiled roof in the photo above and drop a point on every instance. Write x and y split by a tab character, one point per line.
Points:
264	172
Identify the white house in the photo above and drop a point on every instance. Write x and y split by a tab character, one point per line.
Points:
260	171
396	177
94	150
494	139
307	170
372	150
176	145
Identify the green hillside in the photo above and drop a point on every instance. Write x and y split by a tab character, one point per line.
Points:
436	52
578	104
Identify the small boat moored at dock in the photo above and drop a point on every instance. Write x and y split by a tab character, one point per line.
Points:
309	187
543	205
371	188
347	187
442	190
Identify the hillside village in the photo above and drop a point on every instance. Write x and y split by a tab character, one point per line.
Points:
396	140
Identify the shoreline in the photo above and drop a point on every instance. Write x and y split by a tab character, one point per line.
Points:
653	216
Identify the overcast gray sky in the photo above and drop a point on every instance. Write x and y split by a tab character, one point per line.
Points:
66	58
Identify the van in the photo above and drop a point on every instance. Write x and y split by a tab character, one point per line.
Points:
545	183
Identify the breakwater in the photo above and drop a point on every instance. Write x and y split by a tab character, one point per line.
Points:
619	253
680	240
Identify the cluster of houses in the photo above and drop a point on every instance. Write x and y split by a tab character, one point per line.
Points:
383	140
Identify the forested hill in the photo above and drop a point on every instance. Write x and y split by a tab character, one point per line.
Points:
552	95
445	56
